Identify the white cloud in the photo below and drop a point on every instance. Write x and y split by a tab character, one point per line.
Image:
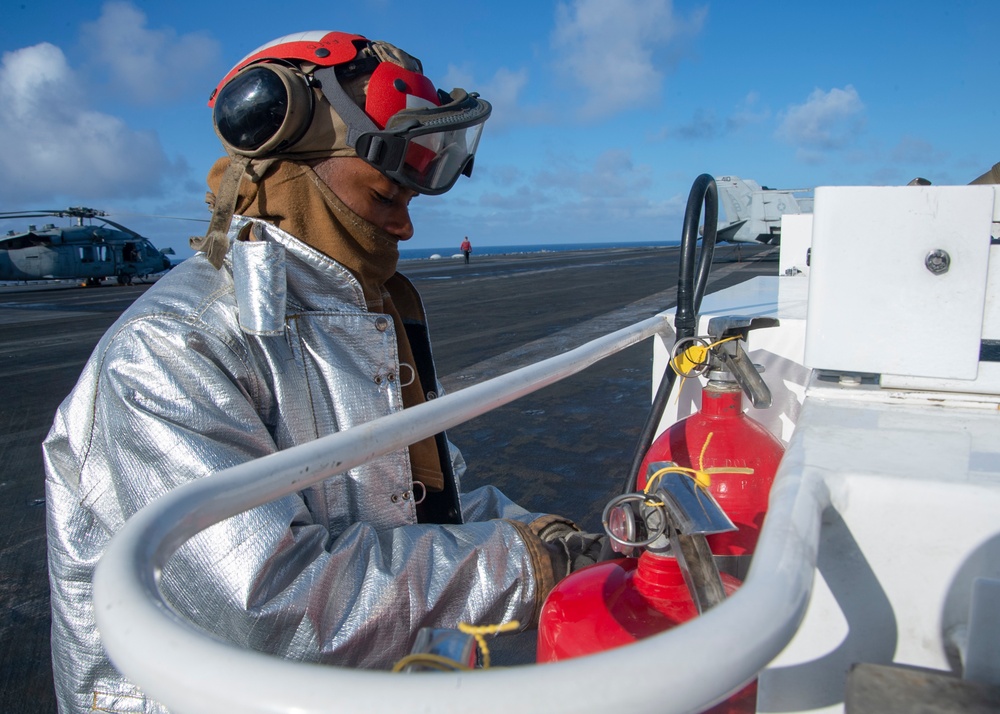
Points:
459	77
600	197
144	65
610	49
914	150
504	93
613	176
747	113
57	145
515	202
605	199
827	120
501	174
703	125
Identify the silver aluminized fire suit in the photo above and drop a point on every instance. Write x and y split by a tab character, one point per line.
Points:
211	369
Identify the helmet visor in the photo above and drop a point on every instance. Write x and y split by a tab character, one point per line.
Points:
428	148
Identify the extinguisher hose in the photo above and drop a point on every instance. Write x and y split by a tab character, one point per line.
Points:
691	284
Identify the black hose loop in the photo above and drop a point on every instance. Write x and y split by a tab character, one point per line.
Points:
690	291
691	284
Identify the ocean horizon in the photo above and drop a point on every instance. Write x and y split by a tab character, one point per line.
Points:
452	253
424	253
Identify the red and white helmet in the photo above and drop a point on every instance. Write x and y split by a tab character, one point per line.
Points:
318	94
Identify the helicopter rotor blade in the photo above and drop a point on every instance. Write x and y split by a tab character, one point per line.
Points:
84	212
73	212
40	213
119	226
168	218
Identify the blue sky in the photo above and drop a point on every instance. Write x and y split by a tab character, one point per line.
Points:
605	111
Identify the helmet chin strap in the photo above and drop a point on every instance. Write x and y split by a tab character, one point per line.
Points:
215	242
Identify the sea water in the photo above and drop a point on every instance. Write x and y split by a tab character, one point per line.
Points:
418	253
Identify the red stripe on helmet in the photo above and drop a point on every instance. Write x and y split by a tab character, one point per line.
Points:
331	49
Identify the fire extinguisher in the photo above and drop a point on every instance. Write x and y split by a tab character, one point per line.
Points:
617	602
675	577
734	455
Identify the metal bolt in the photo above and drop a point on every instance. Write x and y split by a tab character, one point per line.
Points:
938	262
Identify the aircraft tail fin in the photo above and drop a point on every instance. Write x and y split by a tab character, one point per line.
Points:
752	213
735	197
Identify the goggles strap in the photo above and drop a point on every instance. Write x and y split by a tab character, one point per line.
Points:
215	242
354	116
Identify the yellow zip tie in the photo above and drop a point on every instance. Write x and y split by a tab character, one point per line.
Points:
694	355
479	632
446	664
691	358
701	456
701	476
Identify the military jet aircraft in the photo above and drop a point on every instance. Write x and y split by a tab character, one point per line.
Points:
80	252
753	212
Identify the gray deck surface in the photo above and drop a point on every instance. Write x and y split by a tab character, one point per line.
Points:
564	449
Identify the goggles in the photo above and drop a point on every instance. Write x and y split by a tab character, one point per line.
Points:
427	148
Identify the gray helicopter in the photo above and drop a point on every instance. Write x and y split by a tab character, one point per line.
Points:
79	252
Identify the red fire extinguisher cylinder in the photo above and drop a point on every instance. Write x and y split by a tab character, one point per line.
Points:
740	456
618	602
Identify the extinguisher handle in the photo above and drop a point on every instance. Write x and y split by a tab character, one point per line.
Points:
737	326
735	358
739	365
699	570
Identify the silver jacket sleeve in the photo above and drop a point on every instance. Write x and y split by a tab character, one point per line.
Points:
210	369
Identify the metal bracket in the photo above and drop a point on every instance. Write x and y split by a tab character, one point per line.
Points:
735	359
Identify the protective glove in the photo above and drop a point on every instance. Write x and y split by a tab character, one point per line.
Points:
557	547
571	549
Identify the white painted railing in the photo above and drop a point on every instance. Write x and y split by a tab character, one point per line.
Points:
682	670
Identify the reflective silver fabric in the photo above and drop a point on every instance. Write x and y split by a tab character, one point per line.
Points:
208	370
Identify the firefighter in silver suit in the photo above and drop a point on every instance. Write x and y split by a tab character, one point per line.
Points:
289	324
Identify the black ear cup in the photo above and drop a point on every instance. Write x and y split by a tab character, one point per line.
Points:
263	110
